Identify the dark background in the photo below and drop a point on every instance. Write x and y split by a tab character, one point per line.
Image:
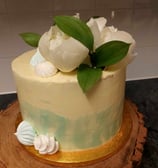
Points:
144	93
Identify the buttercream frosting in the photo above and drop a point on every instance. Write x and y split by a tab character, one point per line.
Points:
51	105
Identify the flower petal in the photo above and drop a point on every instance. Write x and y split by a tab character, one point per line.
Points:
95	31
63	51
110	35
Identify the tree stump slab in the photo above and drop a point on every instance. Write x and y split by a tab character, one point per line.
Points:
15	155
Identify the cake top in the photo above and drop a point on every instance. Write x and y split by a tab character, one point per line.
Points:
71	44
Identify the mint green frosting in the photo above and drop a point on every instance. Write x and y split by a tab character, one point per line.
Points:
85	132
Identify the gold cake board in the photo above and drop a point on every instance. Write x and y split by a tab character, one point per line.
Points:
15	155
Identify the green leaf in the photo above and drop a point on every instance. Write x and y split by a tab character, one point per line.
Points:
76	28
110	53
31	38
88	76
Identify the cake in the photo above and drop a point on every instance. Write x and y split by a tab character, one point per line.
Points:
71	90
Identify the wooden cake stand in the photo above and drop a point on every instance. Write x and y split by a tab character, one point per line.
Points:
15	155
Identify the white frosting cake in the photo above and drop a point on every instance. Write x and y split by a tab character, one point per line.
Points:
59	115
57	105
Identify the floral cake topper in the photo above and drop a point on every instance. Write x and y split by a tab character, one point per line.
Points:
70	42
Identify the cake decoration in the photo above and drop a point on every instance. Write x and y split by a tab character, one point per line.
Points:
31	38
73	80
72	44
25	133
37	58
45	144
65	52
45	69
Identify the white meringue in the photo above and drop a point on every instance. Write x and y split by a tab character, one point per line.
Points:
25	133
37	58
46	144
45	69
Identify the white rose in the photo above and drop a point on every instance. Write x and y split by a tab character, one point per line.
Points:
63	51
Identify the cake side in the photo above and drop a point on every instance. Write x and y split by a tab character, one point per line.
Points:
57	106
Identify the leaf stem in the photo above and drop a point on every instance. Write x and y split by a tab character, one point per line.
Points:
91	55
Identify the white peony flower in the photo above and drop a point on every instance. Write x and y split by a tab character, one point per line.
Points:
97	25
110	34
103	33
63	51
